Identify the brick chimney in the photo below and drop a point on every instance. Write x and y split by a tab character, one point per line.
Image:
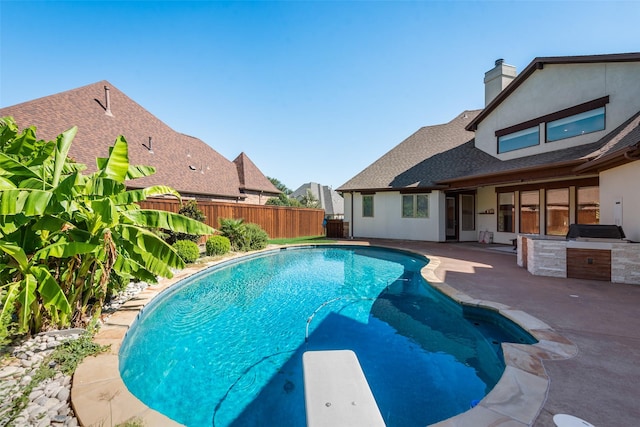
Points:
497	79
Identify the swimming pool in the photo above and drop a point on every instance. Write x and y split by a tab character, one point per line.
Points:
225	347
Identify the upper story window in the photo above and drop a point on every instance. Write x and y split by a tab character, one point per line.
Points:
578	124
367	206
577	120
521	139
415	206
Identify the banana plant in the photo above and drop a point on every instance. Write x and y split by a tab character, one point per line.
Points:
65	233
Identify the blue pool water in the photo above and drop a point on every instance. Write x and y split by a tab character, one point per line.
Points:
224	348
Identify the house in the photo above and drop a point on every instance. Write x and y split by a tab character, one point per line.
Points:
330	200
556	144
102	113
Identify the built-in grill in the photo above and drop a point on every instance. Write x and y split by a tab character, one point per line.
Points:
596	233
589	250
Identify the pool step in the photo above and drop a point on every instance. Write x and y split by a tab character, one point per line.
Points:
336	392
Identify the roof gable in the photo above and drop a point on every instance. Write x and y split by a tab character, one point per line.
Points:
183	162
250	176
538	64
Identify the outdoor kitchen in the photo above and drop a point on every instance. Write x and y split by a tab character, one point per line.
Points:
594	251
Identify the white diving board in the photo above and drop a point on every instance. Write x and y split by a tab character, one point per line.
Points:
336	392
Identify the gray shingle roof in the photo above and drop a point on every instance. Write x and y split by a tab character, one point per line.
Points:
330	200
437	156
183	162
429	155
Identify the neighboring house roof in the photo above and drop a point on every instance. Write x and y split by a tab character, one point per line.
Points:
251	179
183	162
538	64
330	200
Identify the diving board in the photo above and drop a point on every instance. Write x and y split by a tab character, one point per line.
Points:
336	392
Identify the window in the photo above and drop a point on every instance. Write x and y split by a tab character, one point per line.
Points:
577	120
588	205
557	211
415	206
530	212
578	124
468	212
367	206
517	140
506	210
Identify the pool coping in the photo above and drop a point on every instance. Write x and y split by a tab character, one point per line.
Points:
100	397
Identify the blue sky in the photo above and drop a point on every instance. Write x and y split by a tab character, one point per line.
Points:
311	91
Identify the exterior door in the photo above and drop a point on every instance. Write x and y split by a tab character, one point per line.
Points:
451	219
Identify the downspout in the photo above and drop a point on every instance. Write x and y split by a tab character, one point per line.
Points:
352	218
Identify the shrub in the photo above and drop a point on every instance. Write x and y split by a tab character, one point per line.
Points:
255	238
233	229
217	245
187	250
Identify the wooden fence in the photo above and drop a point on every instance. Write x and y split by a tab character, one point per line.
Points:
278	221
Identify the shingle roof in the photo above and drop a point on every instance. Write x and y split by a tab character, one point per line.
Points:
330	200
183	162
437	156
431	154
251	178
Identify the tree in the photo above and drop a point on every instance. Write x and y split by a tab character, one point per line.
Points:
283	200
64	234
309	200
280	186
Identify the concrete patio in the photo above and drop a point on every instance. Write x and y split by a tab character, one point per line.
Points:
585	364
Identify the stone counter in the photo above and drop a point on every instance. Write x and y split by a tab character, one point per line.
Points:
547	256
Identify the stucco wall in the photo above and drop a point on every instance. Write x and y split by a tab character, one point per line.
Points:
387	221
557	87
621	185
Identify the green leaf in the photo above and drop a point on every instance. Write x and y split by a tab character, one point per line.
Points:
66	188
34	183
63	144
149	250
127	267
26	296
64	249
117	164
8	130
11	223
11	167
50	223
151	218
134	196
15	252
9	299
29	202
140	171
106	212
6	184
23	144
98	186
49	289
